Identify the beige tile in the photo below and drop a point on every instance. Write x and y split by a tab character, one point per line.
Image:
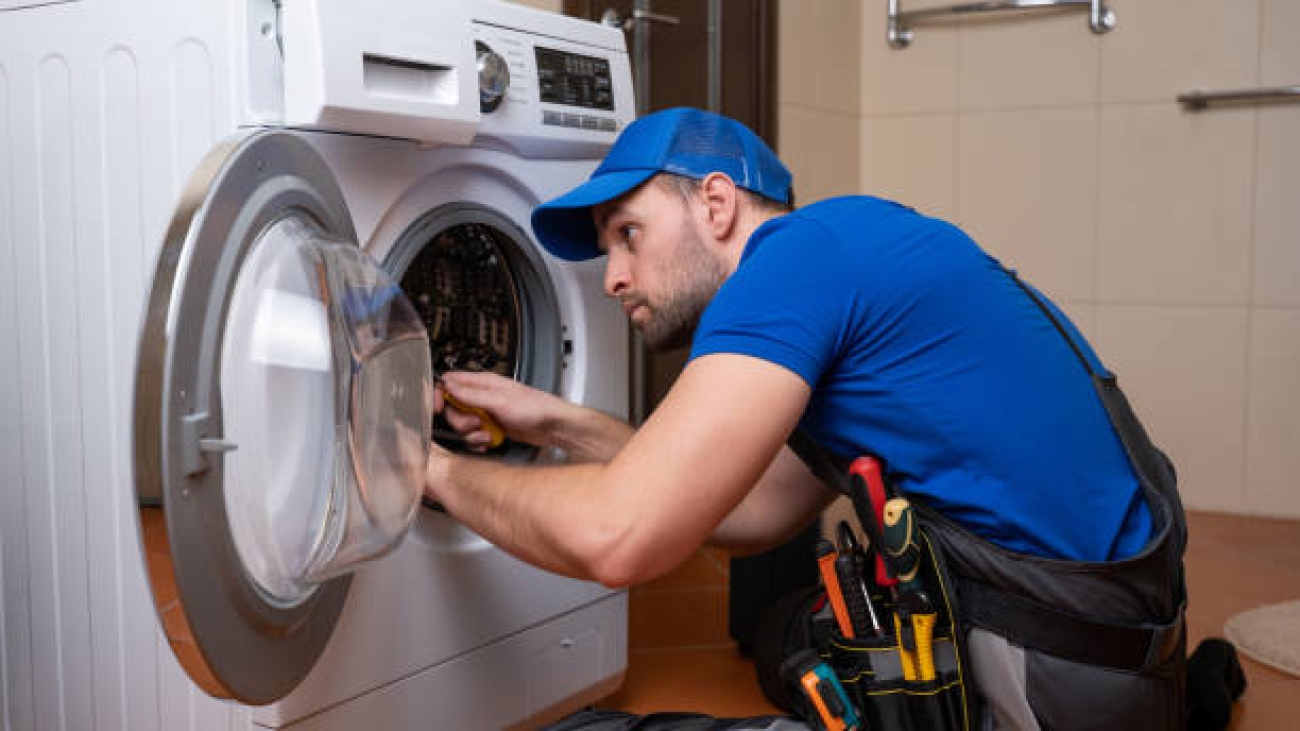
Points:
1029	59
921	78
1027	191
912	159
1160	48
1279	43
1273	431
1276	265
1175	205
1083	314
818	54
1184	370
821	150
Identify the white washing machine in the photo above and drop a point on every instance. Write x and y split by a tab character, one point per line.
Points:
187	328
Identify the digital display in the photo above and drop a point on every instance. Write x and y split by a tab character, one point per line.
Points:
574	80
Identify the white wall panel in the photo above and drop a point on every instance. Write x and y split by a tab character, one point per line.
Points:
1276	267
1273	453
1175	206
919	79
1016	62
1027	191
1160	48
1184	369
1279	51
819	60
821	149
912	159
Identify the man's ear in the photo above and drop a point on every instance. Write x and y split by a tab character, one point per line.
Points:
722	203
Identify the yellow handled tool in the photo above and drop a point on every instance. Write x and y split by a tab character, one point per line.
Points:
900	539
496	435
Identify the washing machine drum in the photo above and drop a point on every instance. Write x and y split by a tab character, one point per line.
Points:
479	285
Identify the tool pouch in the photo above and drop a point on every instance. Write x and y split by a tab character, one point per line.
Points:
875	671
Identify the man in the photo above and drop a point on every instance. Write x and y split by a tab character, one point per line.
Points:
875	328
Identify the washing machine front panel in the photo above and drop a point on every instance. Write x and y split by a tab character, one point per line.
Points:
283	398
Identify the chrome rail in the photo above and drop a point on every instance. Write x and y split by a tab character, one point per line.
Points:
1100	18
1196	101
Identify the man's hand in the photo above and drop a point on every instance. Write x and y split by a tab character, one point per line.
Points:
530	415
523	412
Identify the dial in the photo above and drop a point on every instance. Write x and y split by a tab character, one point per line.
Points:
493	77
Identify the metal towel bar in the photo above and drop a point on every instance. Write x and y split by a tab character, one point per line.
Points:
1195	101
899	32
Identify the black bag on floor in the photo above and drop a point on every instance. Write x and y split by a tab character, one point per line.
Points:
620	721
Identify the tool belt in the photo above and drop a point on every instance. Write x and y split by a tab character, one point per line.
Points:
1018	641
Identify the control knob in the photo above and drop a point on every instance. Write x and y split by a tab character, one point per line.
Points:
493	77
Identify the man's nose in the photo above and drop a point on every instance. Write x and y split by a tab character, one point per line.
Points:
617	278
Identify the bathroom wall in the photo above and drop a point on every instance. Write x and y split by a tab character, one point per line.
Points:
1170	237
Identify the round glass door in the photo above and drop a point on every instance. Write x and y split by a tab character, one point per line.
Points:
283	400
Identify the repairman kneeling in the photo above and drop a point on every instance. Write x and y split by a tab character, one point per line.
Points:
876	330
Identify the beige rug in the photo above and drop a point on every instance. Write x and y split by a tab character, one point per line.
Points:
1268	634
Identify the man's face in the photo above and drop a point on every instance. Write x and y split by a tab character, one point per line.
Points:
660	266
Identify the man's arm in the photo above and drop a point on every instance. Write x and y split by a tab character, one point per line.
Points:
695	459
784	502
535	417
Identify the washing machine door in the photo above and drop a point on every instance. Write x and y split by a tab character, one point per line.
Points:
282	413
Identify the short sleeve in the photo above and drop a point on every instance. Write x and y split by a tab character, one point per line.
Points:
789	301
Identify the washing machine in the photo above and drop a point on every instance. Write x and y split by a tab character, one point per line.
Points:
238	238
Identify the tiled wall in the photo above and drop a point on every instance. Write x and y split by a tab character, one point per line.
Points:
1172	238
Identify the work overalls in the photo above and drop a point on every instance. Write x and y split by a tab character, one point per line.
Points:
1079	645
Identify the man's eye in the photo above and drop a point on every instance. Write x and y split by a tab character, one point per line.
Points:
629	232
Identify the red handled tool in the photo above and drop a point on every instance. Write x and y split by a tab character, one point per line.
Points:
868	493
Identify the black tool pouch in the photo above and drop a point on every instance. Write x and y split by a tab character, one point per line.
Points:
873	669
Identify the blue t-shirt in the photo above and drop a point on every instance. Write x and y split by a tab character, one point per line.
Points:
919	348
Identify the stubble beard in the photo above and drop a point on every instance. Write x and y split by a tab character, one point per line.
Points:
692	277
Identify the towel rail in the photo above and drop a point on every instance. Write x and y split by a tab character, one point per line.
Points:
1195	101
1100	18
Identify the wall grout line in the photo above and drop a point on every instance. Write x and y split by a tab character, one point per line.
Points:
1246	410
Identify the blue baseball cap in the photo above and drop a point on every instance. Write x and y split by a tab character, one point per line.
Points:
683	141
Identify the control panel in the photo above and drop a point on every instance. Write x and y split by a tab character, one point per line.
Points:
552	93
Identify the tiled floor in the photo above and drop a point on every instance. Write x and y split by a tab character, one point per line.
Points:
681	658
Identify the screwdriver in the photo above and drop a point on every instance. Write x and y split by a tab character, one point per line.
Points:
496	435
901	544
851	566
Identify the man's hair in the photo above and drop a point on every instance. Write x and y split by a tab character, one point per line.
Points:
687	188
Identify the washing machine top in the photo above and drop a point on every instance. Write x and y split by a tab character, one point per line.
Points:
441	72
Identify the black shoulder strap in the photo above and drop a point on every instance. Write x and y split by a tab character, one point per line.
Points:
1056	322
825	465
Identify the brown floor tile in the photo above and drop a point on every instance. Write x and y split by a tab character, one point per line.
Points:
1223	580
680	618
1271	540
1266	707
702	569
716	681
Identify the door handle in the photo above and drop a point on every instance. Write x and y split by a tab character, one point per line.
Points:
614	19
